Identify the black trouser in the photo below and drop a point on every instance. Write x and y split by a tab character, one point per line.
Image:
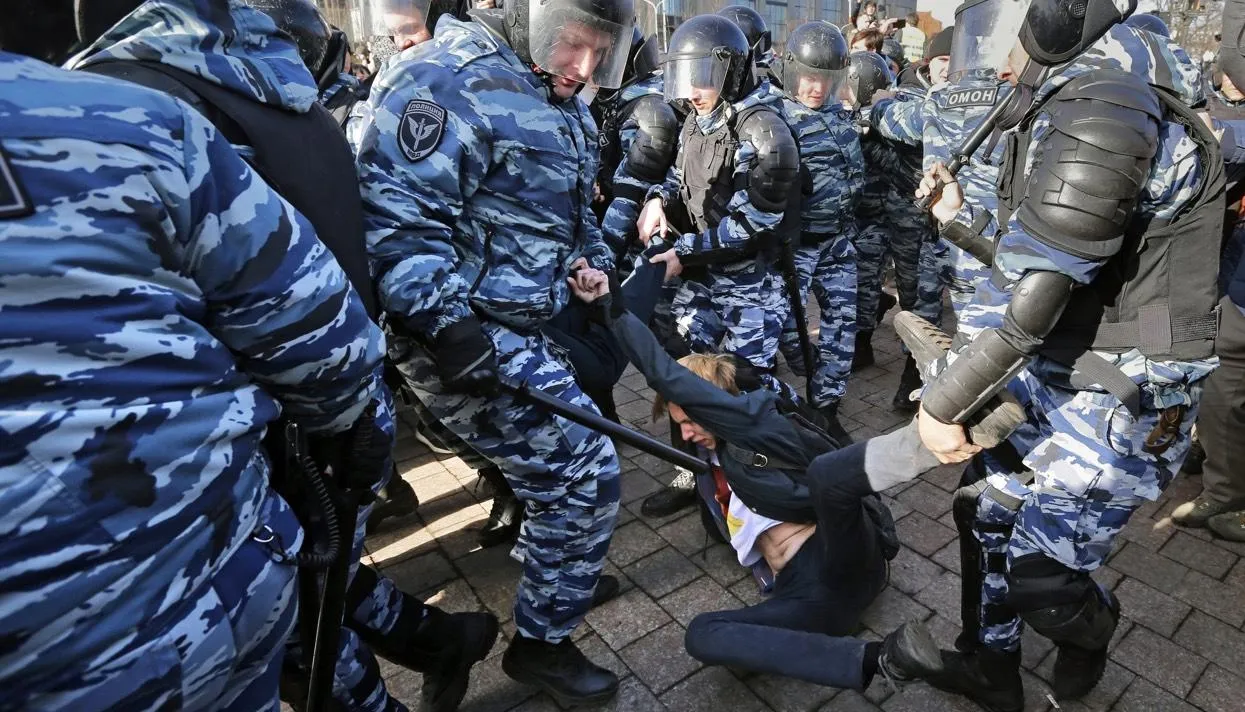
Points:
800	631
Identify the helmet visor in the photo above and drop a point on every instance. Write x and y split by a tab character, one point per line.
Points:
569	42
985	32
813	86
396	18
687	77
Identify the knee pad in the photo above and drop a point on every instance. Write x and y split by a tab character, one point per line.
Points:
1063	605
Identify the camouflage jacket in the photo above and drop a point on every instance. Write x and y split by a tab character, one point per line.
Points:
831	156
940	123
161	307
477	187
1174	173
229	44
620	218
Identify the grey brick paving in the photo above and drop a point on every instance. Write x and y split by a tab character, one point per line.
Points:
1180	645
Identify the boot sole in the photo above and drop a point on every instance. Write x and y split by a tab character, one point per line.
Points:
474	650
563	700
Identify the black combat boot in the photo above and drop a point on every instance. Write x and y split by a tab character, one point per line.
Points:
1195	459
607	590
909	381
396	501
506	516
987	677
909	653
863	357
1078	670
830	416
885	302
440	645
559	669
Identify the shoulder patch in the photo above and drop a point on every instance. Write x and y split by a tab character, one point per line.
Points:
971	96
421	129
13	200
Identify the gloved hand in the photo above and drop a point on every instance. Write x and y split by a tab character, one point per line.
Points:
465	359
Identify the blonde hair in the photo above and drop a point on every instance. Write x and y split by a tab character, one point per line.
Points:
718	369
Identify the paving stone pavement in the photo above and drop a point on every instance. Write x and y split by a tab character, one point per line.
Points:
1180	645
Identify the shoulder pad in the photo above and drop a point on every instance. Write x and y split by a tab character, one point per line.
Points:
654	116
764	126
1114	111
1118	88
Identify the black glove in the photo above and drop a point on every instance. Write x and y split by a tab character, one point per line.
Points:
465	358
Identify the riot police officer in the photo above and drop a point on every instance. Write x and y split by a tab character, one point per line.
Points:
476	167
813	68
736	169
1105	341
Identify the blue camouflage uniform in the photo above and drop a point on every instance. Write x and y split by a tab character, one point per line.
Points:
477	189
739	307
940	123
161	308
873	236
239	48
1084	447
825	259
619	222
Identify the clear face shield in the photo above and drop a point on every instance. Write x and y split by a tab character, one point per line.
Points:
570	42
814	87
985	32
695	78
403	20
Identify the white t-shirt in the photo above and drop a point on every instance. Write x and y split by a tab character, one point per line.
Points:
746	526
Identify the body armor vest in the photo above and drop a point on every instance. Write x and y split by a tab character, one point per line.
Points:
1158	293
303	157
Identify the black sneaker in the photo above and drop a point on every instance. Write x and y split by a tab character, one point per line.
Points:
909	653
559	669
607	590
678	495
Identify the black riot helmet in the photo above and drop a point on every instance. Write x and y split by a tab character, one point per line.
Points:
1055	31
815	59
1150	23
753	25
708	52
867	72
304	24
42	29
892	50
542	32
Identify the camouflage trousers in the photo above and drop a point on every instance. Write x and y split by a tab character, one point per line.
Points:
220	649
910	231
829	270
1091	472
740	314
566	474
873	242
967	273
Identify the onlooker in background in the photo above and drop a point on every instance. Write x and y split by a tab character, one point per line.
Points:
867	17
869	40
912	39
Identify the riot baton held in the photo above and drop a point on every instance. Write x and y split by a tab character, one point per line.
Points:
961	156
524	392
